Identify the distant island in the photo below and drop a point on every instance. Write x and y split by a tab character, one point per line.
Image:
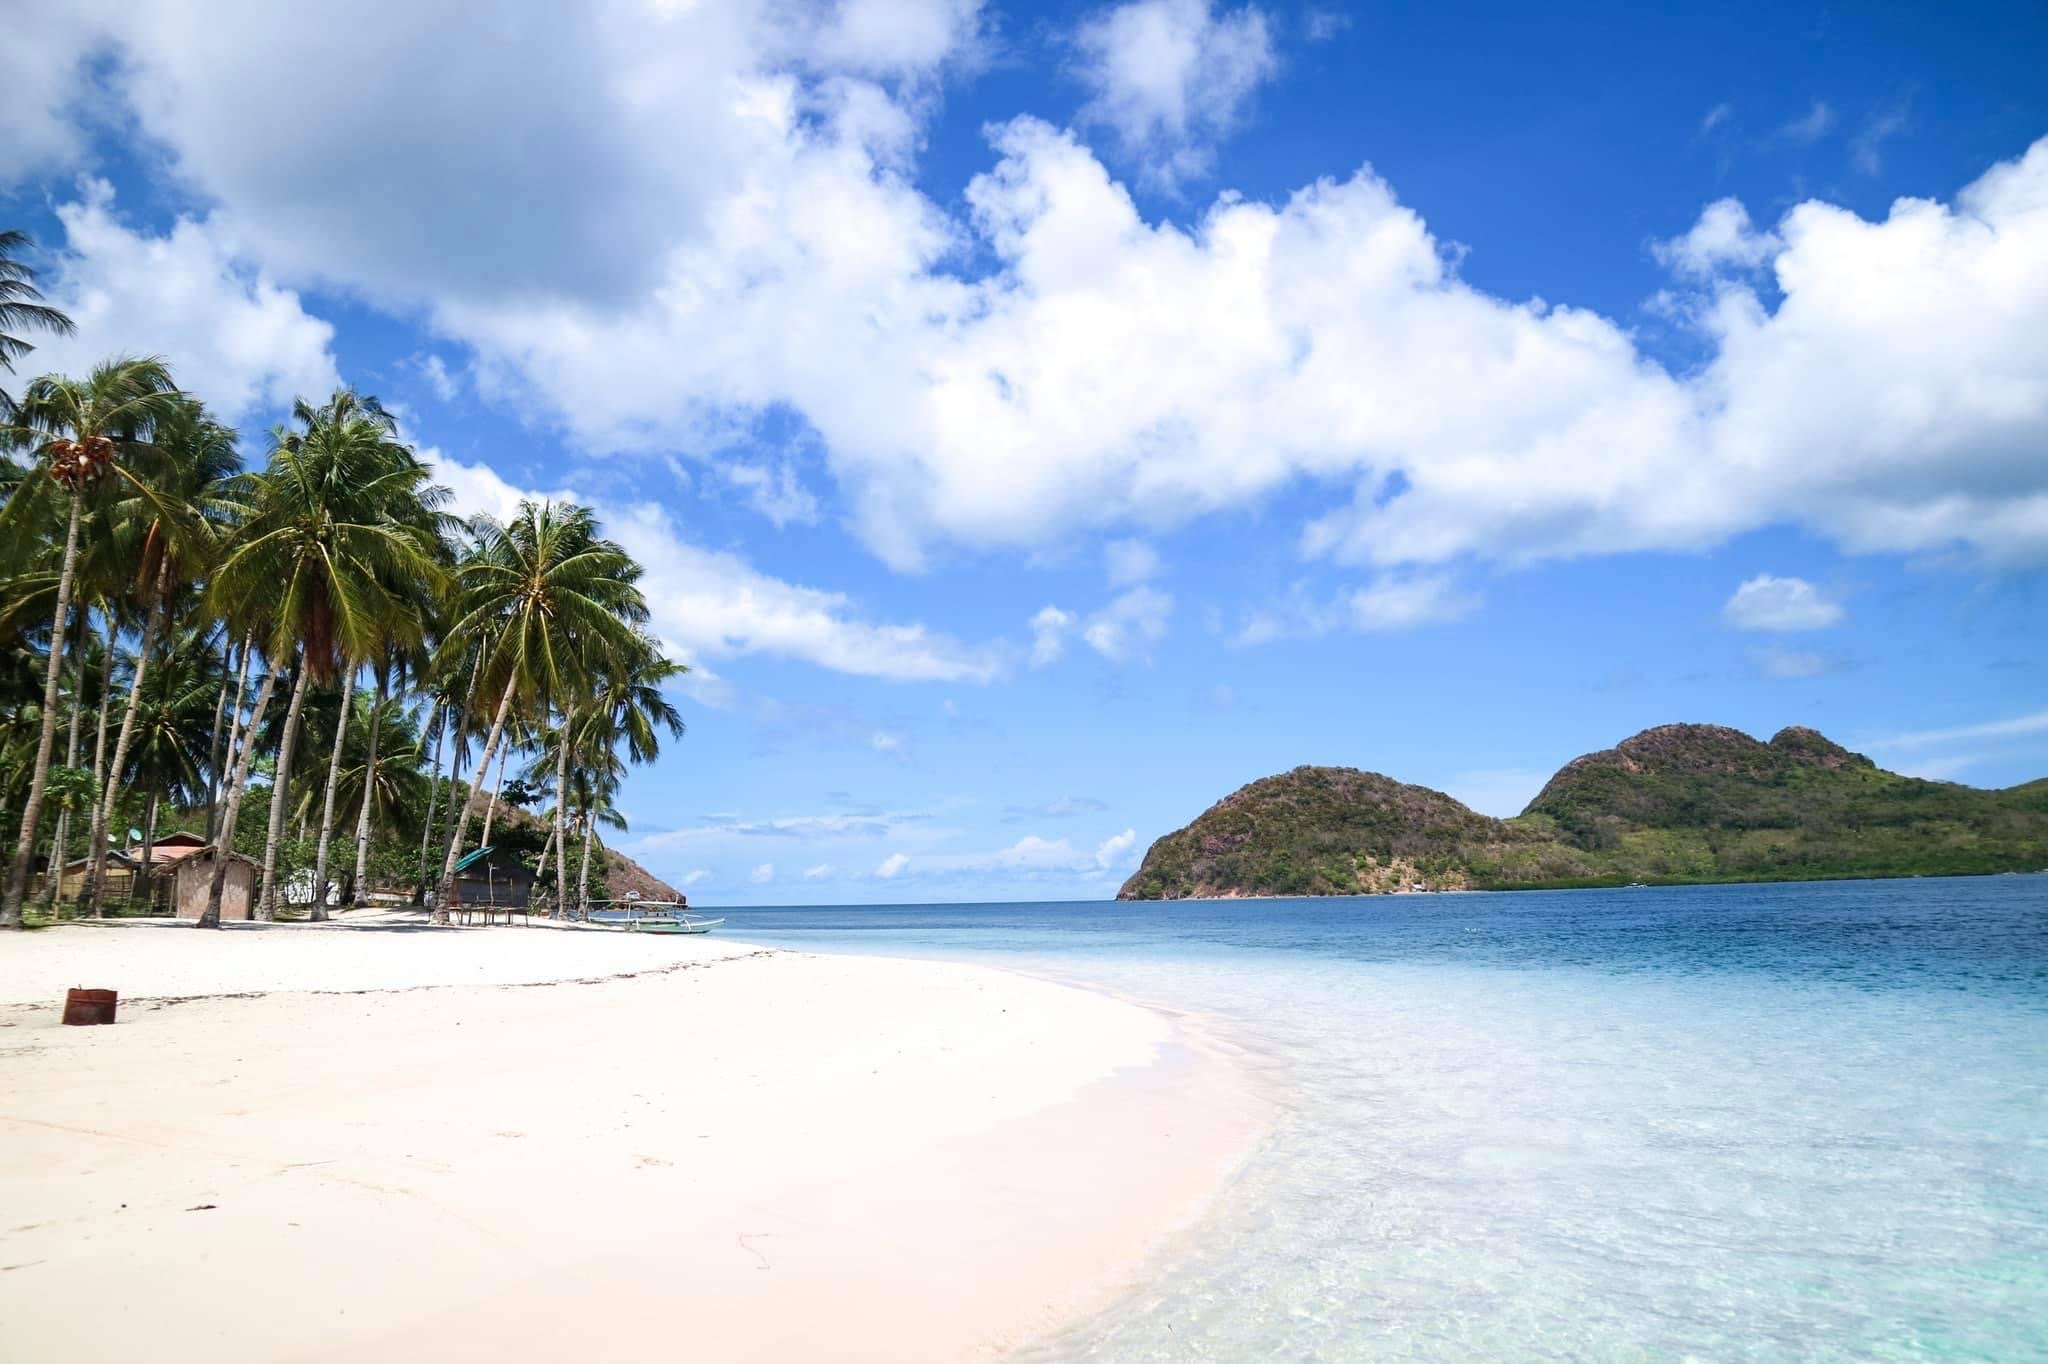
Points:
1676	804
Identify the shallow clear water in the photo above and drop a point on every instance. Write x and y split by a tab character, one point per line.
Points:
1731	1122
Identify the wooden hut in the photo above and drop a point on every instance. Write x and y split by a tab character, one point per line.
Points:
492	879
192	884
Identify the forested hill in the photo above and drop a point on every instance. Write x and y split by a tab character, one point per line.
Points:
1679	803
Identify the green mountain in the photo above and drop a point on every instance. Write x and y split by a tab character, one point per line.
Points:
1679	803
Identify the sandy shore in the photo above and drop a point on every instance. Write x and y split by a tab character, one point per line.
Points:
527	1144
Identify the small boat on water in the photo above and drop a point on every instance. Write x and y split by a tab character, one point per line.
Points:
649	916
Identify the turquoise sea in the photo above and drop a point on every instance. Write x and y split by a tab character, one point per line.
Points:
1788	1122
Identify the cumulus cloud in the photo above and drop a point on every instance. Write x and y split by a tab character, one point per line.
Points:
819	872
1117	850
1723	238
1129	624
694	875
1780	605
1169	77
762	874
713	604
892	866
1095	370
233	336
1049	630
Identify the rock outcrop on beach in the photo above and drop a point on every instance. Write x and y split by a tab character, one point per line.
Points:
1674	804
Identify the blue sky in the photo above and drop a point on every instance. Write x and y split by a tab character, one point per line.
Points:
1039	421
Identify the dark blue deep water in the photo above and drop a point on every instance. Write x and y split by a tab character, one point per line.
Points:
1732	1122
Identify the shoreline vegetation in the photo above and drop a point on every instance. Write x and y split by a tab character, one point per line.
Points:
307	661
1675	805
523	1143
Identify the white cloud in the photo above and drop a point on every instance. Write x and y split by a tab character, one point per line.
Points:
1031	856
762	874
1723	237
1118	850
2019	725
1780	605
1129	561
435	370
1169	77
819	872
1104	372
1049	635
1716	116
1811	126
838	825
886	742
775	493
1390	601
694	875
232	336
712	604
1395	602
1131	622
50	93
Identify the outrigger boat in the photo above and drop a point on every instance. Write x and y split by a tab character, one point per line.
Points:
650	916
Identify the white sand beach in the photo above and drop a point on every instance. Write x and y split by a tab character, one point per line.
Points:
534	1143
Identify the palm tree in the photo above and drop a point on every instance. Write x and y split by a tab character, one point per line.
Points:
627	707
86	430
323	568
175	534
21	308
544	597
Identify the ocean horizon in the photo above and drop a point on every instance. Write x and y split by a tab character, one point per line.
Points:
1797	1120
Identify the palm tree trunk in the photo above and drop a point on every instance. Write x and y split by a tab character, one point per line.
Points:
32	811
583	873
60	840
447	891
489	810
266	898
103	814
358	894
148	845
562	808
440	728
99	743
238	785
348	699
223	757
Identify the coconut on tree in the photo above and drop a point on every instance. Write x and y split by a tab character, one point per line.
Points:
84	433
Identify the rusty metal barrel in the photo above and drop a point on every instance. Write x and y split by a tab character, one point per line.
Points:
85	1007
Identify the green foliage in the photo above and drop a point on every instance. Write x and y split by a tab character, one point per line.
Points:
1682	803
